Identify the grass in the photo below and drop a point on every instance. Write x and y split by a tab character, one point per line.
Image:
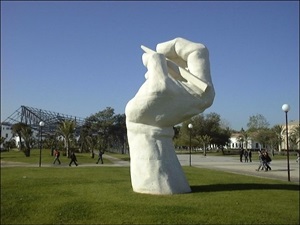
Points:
18	156
103	195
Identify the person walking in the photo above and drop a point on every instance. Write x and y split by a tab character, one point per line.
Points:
241	155
267	161
100	157
73	159
250	155
261	161
56	155
246	155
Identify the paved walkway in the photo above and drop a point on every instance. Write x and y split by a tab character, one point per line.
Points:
114	162
232	164
223	163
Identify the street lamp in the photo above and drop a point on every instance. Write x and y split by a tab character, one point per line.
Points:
286	108
41	127
190	126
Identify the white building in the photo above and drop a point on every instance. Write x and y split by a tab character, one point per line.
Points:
6	132
291	126
237	142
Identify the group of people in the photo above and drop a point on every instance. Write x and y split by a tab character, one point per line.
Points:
263	155
56	154
247	154
264	161
73	158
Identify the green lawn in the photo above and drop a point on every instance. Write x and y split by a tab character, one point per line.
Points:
18	156
103	195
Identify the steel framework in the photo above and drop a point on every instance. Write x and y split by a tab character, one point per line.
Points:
33	116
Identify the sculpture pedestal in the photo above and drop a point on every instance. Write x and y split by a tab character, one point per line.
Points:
154	166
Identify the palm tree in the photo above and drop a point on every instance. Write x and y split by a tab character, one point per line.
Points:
2	140
66	129
86	143
205	140
24	132
294	137
245	138
240	140
16	130
28	140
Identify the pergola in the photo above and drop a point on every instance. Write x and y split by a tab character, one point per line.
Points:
32	117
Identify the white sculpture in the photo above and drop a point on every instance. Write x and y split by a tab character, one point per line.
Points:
178	86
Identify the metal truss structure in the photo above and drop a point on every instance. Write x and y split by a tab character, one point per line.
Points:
33	116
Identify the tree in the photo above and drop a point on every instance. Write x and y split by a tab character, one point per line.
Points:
205	124
105	130
66	129
119	130
85	139
26	133
205	140
2	140
9	144
222	138
278	129
16	130
243	138
257	122
212	126
50	141
294	137
265	137
181	135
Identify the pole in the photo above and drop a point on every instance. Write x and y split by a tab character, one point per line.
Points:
287	146
40	162
190	147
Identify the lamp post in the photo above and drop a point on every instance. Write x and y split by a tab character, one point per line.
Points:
41	127
190	126
286	108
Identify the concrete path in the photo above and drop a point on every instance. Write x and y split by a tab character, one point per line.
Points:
232	164
115	162
223	163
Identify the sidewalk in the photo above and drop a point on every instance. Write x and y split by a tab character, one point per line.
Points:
115	162
233	165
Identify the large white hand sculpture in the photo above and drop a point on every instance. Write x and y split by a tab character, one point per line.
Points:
166	99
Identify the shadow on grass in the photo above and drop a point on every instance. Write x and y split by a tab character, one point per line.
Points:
241	187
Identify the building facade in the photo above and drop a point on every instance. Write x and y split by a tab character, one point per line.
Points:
237	142
295	144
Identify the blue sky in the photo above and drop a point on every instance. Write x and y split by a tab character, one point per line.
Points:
80	57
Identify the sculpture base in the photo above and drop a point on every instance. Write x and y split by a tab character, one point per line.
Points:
158	178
